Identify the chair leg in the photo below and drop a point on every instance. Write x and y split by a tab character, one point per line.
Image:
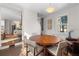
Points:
65	52
61	53
27	50
34	51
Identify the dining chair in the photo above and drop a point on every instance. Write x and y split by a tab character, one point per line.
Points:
32	48
58	49
62	48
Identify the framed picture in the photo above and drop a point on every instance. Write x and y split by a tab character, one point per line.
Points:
49	24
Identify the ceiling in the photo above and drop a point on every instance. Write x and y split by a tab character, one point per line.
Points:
10	11
41	7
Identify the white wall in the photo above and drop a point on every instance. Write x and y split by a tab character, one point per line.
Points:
30	23
73	22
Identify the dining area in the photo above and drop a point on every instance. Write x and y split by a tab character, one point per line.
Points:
45	45
34	33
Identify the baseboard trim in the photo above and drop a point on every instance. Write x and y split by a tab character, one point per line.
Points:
1	48
20	43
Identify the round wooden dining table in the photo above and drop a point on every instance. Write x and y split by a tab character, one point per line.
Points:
45	41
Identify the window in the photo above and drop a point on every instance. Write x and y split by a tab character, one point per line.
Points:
63	24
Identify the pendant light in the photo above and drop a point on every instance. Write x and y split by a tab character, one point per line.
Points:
50	9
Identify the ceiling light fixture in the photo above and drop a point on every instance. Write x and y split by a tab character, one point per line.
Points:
50	9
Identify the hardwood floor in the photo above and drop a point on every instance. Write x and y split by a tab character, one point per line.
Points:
15	51
12	51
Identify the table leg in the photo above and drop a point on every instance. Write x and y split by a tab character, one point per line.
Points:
44	51
40	52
